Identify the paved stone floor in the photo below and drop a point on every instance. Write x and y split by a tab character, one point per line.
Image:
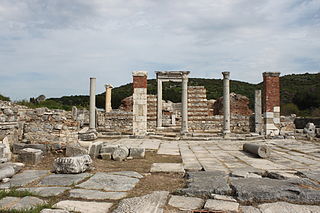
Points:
101	191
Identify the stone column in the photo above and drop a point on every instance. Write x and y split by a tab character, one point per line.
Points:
258	112
271	102
184	104
159	103
108	107
140	107
92	109
226	104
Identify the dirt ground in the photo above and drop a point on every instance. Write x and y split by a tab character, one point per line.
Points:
151	181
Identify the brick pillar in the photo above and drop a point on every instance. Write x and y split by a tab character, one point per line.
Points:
271	102
139	103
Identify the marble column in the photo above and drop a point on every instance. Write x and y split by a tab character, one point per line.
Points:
184	104
92	109
258	111
159	103
226	103
108	107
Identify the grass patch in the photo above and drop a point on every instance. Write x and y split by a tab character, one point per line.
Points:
35	209
15	193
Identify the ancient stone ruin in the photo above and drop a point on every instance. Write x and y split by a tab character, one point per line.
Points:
152	155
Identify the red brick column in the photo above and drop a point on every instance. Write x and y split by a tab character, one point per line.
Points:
271	102
140	107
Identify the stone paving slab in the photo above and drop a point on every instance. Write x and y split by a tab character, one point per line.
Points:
24	178
63	179
153	202
96	195
84	206
283	207
167	167
127	173
186	203
109	182
46	191
16	203
221	205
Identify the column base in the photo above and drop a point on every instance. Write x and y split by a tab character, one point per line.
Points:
226	134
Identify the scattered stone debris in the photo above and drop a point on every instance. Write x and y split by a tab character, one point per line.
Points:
117	152
72	165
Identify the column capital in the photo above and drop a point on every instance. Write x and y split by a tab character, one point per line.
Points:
271	74
140	73
226	74
107	86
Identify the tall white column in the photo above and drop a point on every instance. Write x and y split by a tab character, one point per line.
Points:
159	103
108	107
184	104
226	103
92	109
258	112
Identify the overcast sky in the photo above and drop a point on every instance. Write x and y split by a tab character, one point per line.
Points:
52	47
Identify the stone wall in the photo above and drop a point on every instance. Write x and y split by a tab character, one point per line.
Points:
41	125
115	121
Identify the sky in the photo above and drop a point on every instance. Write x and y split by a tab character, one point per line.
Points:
53	47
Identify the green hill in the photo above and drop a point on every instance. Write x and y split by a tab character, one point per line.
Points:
300	93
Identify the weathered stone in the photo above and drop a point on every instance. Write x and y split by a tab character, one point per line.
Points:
24	178
167	167
106	156
283	207
153	202
72	165
83	206
252	190
54	211
109	182
262	151
206	184
75	150
223	197
17	147
2	148
120	154
94	149
108	148
96	195
15	203
63	179
27	203
136	152
186	203
46	191
16	166
221	205
88	136
6	172
310	129
311	174
30	156
127	173
249	209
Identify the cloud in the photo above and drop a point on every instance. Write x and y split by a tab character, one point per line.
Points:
69	41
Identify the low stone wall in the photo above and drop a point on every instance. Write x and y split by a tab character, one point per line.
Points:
41	125
115	121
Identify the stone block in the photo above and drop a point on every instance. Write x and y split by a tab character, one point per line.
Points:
83	206
185	203
2	150
30	156
106	156
136	152
120	154
167	167
72	165
108	148
75	150
6	172
17	147
88	136
221	205
94	149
